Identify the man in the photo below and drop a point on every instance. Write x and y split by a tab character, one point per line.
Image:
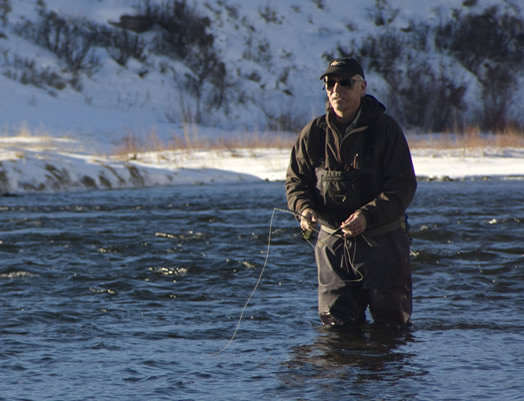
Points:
351	173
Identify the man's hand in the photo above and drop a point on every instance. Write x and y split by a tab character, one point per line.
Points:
354	225
308	220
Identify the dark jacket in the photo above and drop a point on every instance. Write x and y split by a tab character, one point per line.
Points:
375	151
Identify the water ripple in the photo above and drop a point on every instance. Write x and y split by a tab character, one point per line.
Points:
131	294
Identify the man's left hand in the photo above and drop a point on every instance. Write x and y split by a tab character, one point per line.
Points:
354	225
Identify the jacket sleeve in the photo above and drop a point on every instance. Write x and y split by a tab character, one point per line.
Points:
300	176
399	180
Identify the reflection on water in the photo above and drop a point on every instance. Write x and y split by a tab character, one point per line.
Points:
352	362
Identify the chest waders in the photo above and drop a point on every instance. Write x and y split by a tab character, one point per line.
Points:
350	270
345	189
354	274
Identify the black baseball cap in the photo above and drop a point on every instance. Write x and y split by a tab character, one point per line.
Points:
344	67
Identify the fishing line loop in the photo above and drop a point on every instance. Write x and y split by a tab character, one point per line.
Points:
276	209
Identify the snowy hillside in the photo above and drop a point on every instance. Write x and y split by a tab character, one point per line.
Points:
80	77
272	53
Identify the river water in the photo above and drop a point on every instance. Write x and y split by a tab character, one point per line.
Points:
135	294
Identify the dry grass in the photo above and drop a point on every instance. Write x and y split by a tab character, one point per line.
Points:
510	138
36	141
250	141
190	140
472	138
24	132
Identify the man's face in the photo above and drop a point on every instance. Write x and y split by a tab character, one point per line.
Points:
344	94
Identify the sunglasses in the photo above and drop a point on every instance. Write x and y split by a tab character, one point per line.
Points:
346	83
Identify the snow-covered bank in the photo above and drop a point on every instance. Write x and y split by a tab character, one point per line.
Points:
46	165
460	164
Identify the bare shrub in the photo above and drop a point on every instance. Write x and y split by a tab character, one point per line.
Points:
28	72
5	9
489	45
382	53
426	99
474	38
498	90
258	50
320	4
185	109
419	94
382	13
67	38
184	36
284	116
270	15
121	44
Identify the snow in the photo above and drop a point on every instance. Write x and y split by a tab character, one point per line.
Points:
63	140
49	164
508	163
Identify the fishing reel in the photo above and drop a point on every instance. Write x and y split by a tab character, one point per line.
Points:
307	234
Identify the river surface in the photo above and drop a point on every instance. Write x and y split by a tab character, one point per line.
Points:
135	295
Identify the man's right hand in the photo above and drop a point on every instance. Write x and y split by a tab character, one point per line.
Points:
308	220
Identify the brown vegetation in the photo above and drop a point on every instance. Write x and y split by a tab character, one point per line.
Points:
190	140
471	138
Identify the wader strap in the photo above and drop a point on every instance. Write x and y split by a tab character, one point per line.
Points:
386	228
